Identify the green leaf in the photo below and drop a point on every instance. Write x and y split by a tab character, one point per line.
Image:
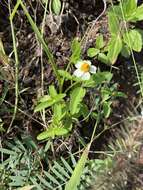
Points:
129	6
114	48
44	98
119	94
106	94
107	109
56	6
50	102
102	77
52	132
103	58
133	39
76	51
75	178
125	52
113	22
76	97
92	52
137	15
59	111
65	74
99	42
52	91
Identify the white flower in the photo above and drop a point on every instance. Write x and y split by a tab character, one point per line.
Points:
84	68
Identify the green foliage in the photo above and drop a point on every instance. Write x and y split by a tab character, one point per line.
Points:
124	36
56	6
114	48
21	166
49	100
76	174
133	39
76	98
76	51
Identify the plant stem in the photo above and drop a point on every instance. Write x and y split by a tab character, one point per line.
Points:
42	41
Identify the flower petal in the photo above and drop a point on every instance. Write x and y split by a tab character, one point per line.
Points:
86	76
78	73
93	69
87	61
78	64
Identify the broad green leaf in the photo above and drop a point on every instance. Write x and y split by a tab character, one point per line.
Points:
65	74
106	109
99	42
59	111
52	132
52	91
129	6
75	178
102	77
105	93
89	83
125	52
133	39
56	6
44	98
137	15
92	52
76	97
103	58
113	23
114	48
76	51
50	102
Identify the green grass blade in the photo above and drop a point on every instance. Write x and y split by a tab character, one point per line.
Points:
14	10
40	38
75	178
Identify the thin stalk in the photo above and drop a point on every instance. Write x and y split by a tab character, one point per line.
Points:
42	67
42	41
132	54
16	66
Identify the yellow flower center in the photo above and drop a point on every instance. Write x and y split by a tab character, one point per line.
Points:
85	67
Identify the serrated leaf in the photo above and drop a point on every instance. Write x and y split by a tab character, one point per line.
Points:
133	39
76	97
56	6
106	109
92	52
103	58
137	15
76	51
59	111
52	91
113	22
52	132
125	52
129	6
114	48
102	77
99	42
50	102
65	74
45	98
